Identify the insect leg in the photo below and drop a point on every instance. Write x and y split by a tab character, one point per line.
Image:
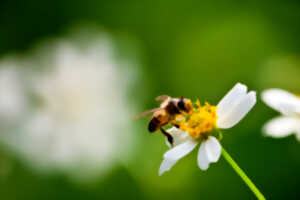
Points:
169	137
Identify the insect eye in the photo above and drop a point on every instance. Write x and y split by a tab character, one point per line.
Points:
180	105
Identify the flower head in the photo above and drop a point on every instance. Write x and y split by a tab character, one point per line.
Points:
78	114
288	105
201	123
202	120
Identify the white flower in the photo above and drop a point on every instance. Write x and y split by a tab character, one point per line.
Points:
79	122
230	110
289	106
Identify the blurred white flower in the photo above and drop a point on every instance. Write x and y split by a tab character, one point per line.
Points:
288	105
199	128
79	121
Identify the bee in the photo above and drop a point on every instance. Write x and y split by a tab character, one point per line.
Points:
170	109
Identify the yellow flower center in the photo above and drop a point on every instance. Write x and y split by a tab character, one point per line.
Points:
200	120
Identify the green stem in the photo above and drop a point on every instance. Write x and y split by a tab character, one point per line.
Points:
242	174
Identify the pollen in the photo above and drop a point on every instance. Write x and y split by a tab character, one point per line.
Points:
201	120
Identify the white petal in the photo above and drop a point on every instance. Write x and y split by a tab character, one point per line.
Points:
237	92
175	154
237	111
282	101
213	149
281	126
179	136
203	161
180	150
166	165
209	152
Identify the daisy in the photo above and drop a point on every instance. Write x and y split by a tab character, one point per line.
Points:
288	105
77	94
202	125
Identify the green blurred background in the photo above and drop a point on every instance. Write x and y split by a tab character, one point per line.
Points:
198	49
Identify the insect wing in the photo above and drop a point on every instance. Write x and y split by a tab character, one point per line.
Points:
162	98
147	112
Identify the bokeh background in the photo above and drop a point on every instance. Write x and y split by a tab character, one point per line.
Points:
197	49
